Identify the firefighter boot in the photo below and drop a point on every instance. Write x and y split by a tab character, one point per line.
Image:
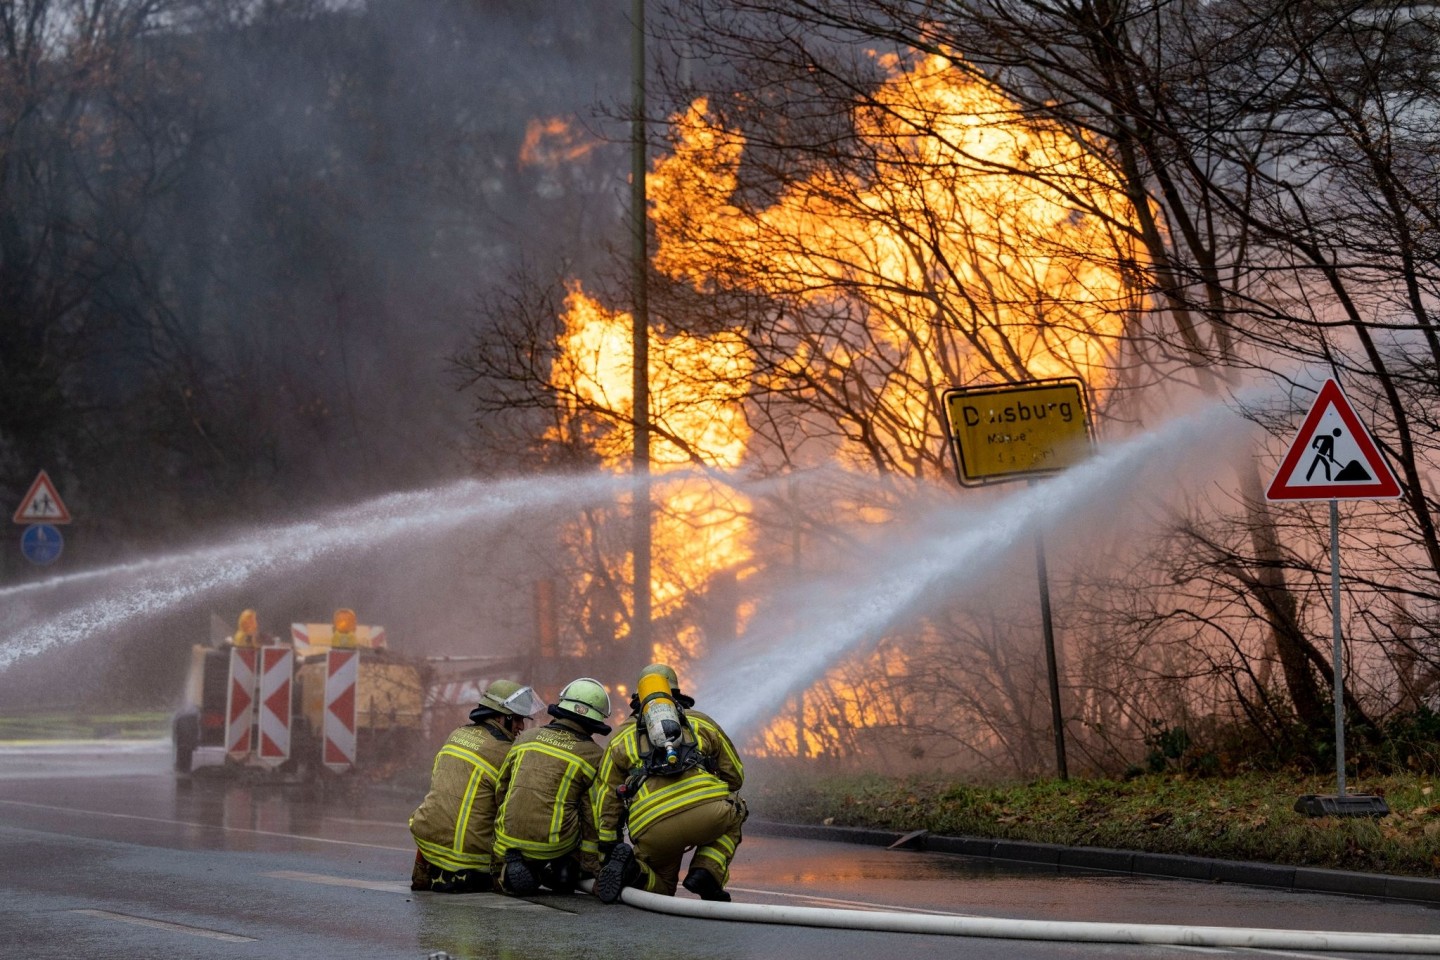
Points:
561	876
703	884
516	876
620	871
420	873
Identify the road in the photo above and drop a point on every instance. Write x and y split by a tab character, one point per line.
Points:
103	854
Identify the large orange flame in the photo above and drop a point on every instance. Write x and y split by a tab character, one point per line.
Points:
973	244
697	389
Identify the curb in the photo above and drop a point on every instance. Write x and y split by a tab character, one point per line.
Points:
1134	863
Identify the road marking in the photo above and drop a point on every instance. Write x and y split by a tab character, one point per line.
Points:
385	886
213	826
495	902
166	925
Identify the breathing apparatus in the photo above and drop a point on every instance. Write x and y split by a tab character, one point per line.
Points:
663	725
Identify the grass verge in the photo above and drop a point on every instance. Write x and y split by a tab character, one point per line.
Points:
1245	817
65	726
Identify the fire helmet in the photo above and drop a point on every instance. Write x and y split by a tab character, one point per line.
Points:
585	698
668	672
662	670
506	697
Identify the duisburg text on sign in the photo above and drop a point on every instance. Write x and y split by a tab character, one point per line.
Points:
1011	432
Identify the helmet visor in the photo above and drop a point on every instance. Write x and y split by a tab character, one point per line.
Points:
522	702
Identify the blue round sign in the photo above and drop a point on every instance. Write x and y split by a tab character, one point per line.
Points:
41	543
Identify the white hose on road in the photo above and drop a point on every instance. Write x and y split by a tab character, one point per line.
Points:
1071	931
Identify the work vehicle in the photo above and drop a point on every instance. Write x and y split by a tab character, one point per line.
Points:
333	699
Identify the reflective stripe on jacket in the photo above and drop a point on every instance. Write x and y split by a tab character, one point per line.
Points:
660	796
454	826
544	795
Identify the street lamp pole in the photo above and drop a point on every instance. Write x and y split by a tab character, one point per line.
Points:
640	410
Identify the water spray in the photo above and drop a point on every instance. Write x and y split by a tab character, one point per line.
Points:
133	592
902	580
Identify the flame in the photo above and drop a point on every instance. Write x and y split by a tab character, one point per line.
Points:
943	240
697	389
552	142
971	245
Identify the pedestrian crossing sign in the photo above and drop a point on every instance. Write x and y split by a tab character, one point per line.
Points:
1333	456
42	504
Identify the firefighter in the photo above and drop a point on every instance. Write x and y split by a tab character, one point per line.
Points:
248	633
671	776
545	830
247	629
454	826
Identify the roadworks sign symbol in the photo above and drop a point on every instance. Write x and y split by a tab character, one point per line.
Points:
42	504
1333	457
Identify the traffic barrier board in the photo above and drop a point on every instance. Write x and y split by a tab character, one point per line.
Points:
276	673
240	703
341	674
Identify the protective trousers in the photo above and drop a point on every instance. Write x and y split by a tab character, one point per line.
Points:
712	827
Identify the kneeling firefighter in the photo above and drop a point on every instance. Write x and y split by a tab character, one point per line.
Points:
545	830
454	826
670	776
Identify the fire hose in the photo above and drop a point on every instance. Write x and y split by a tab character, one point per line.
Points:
1070	931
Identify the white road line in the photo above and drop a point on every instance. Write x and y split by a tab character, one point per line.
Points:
482	901
166	925
385	886
215	826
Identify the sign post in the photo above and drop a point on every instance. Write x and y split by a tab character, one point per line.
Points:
1014	432
1341	462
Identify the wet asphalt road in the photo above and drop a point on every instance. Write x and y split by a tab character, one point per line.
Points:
103	854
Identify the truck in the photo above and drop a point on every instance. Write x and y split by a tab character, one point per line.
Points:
331	700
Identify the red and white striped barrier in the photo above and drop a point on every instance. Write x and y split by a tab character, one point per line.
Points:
277	665
342	668
240	702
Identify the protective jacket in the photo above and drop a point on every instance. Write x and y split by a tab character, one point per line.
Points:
658	797
454	826
544	795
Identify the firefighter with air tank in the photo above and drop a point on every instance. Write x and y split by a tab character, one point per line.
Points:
670	776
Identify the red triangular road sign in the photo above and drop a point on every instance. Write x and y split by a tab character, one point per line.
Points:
42	504
1333	456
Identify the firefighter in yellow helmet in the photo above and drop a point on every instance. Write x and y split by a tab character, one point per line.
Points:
248	632
671	777
545	829
247	629
454	826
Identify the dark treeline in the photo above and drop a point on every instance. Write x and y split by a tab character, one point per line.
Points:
238	241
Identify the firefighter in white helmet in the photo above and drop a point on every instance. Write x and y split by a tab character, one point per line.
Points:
671	777
454	826
545	829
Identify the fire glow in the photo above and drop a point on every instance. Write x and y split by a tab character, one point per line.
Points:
959	267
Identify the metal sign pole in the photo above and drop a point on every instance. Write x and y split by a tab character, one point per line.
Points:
1057	720
1339	662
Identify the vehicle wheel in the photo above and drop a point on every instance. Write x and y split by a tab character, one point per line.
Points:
186	732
